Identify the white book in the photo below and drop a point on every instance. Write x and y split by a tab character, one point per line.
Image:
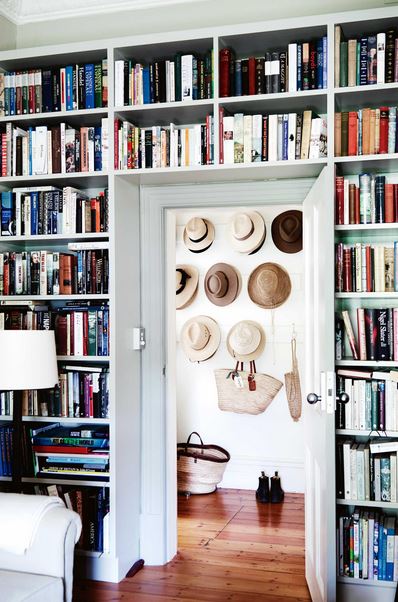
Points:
377	479
366	456
384	447
291	144
27	213
49	264
247	138
393	468
167	67
381	57
119	83
354	476
25	156
172	146
70	394
186	76
41	150
191	142
106	533
362	405
197	137
90	148
18	216
172	81
364	546
318	138
355	405
346	201
279	152
18	274
105	144
49	153
78	333
62	128
228	127
43	272
349	405
395	577
292	67
90	245
360	472
273	138
347	469
257	132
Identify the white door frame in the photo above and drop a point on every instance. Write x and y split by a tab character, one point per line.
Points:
158	521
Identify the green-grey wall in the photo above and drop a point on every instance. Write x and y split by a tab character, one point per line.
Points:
8	34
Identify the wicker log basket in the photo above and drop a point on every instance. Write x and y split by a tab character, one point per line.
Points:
200	467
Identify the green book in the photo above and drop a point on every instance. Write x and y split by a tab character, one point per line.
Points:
98	85
92	332
385	479
375	406
343	64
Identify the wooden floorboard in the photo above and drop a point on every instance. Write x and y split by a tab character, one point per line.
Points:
231	549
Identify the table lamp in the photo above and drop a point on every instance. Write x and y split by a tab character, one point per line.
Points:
28	360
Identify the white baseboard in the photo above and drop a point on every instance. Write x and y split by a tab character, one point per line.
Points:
242	472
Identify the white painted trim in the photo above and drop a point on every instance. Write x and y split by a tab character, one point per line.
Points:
242	472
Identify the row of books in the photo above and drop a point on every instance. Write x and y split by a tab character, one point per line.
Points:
369	59
283	137
300	66
139	148
5	451
47	210
366	471
185	77
373	400
42	150
364	267
29	315
366	132
367	545
53	273
82	330
366	199
376	336
54	89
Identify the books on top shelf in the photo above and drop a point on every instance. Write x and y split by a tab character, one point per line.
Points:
185	77
367	545
68	88
364	267
366	59
300	66
283	137
43	150
173	146
48	210
366	132
366	199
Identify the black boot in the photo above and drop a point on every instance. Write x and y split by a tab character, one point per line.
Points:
277	493
262	493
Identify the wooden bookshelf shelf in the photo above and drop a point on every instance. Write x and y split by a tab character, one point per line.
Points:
366	503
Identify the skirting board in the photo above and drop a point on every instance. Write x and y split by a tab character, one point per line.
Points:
242	472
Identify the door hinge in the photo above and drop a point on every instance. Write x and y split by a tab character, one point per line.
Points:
139	340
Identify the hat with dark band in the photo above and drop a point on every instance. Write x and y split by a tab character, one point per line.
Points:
247	231
187	278
198	234
222	284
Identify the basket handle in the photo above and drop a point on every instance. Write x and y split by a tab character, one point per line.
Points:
189	439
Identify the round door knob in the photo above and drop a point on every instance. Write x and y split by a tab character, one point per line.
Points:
313	398
343	398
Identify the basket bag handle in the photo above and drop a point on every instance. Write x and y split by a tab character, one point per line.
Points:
189	439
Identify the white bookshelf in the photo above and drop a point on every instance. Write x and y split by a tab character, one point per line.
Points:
381	295
366	433
368	504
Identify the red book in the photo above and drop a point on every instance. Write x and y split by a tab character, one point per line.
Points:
396	201
357	210
62	449
220	133
61	334
116	126
65	274
252	75
225	69
347	268
264	146
384	112
389	213
85	333
352	133
31	93
3	155
339	200
351	203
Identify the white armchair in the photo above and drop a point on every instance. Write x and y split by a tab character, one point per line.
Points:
45	572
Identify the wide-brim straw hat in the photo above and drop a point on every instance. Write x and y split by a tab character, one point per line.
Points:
198	234
247	231
287	231
246	341
269	285
200	338
187	279
222	284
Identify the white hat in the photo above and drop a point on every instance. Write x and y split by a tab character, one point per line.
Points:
187	278
246	341
198	234
200	338
247	231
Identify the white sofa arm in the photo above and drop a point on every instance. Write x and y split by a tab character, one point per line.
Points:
52	550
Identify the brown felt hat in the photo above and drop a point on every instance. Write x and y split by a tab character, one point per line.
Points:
247	231
269	285
222	284
200	338
246	341
198	234
287	231
187	278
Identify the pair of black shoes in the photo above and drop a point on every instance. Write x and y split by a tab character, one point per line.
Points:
263	493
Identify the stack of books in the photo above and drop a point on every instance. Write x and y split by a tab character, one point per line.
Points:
54	89
75	452
283	137
365	268
82	329
300	66
366	199
185	77
5	451
48	210
376	337
368	59
367	545
365	132
26	315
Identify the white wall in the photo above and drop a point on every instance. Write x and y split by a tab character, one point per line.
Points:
8	34
268	441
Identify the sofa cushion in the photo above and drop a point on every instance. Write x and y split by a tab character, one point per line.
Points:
18	587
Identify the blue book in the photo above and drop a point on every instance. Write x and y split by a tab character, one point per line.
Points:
390	532
6	93
152	83
54	212
69	87
34	212
12	93
47	96
99	544
299	66
319	63
89	85
7	214
105	338
97	149
195	86
363	57
285	137
146	85
238	78
325	62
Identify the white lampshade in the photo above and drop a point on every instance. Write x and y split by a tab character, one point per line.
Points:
28	359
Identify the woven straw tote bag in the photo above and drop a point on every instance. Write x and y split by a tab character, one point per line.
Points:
248	398
200	467
293	388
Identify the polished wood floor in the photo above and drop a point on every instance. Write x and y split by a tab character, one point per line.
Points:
231	549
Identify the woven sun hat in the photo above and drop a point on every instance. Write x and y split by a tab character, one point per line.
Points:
269	285
198	234
287	231
200	338
247	232
187	279
246	341
222	284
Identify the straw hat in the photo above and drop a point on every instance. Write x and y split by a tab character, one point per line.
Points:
287	231
198	234
222	284
247	232
246	341
200	338
187	278
269	285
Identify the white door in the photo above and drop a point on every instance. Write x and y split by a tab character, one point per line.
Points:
320	553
